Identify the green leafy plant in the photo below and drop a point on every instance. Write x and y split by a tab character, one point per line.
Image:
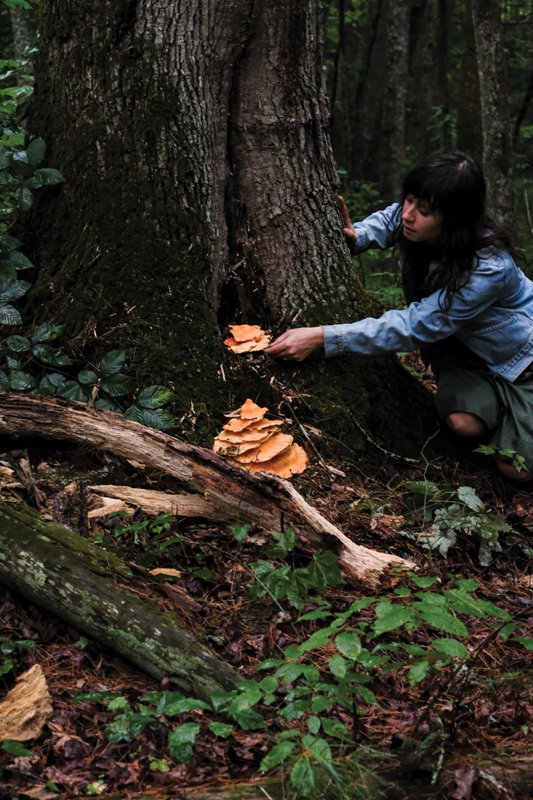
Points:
298	584
449	514
8	651
25	361
518	461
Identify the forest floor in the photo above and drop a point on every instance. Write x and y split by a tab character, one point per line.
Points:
455	726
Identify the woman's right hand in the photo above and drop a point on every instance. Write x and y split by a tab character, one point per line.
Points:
348	229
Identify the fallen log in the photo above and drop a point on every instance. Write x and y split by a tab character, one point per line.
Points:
87	587
154	502
241	496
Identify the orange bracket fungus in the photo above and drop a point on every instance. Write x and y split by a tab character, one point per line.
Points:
257	444
246	338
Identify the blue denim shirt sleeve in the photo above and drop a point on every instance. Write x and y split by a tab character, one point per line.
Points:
378	229
425	321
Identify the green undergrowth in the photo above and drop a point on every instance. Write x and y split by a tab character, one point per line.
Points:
310	697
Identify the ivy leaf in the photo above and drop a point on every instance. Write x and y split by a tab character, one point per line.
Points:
43	334
9	315
18	344
20	381
12	289
51	355
8	243
44	177
284	543
24	198
37	148
4	382
17	260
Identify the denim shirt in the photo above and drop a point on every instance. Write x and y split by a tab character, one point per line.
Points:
492	314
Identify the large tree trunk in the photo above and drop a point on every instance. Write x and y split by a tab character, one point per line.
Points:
441	133
200	189
392	145
497	151
88	587
469	127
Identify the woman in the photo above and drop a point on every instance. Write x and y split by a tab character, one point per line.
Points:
470	306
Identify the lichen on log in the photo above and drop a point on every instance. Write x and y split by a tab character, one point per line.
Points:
87	587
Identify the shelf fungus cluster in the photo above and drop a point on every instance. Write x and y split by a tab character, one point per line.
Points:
246	339
257	443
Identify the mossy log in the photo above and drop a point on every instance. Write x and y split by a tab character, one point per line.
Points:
87	586
241	496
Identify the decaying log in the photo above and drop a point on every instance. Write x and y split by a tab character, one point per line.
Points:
241	496
154	502
87	587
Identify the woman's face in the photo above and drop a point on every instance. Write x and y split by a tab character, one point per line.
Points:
420	224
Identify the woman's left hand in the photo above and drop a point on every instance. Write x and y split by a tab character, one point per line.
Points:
296	343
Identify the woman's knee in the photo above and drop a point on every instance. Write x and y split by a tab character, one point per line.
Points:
464	424
511	473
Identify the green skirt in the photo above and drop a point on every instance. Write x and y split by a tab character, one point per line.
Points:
464	383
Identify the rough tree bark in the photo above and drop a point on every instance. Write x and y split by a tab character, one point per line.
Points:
442	127
392	145
497	146
200	189
469	127
23	34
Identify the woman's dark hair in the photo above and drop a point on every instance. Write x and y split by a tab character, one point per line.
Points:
453	185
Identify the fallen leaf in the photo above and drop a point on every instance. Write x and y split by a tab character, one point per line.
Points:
465	780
